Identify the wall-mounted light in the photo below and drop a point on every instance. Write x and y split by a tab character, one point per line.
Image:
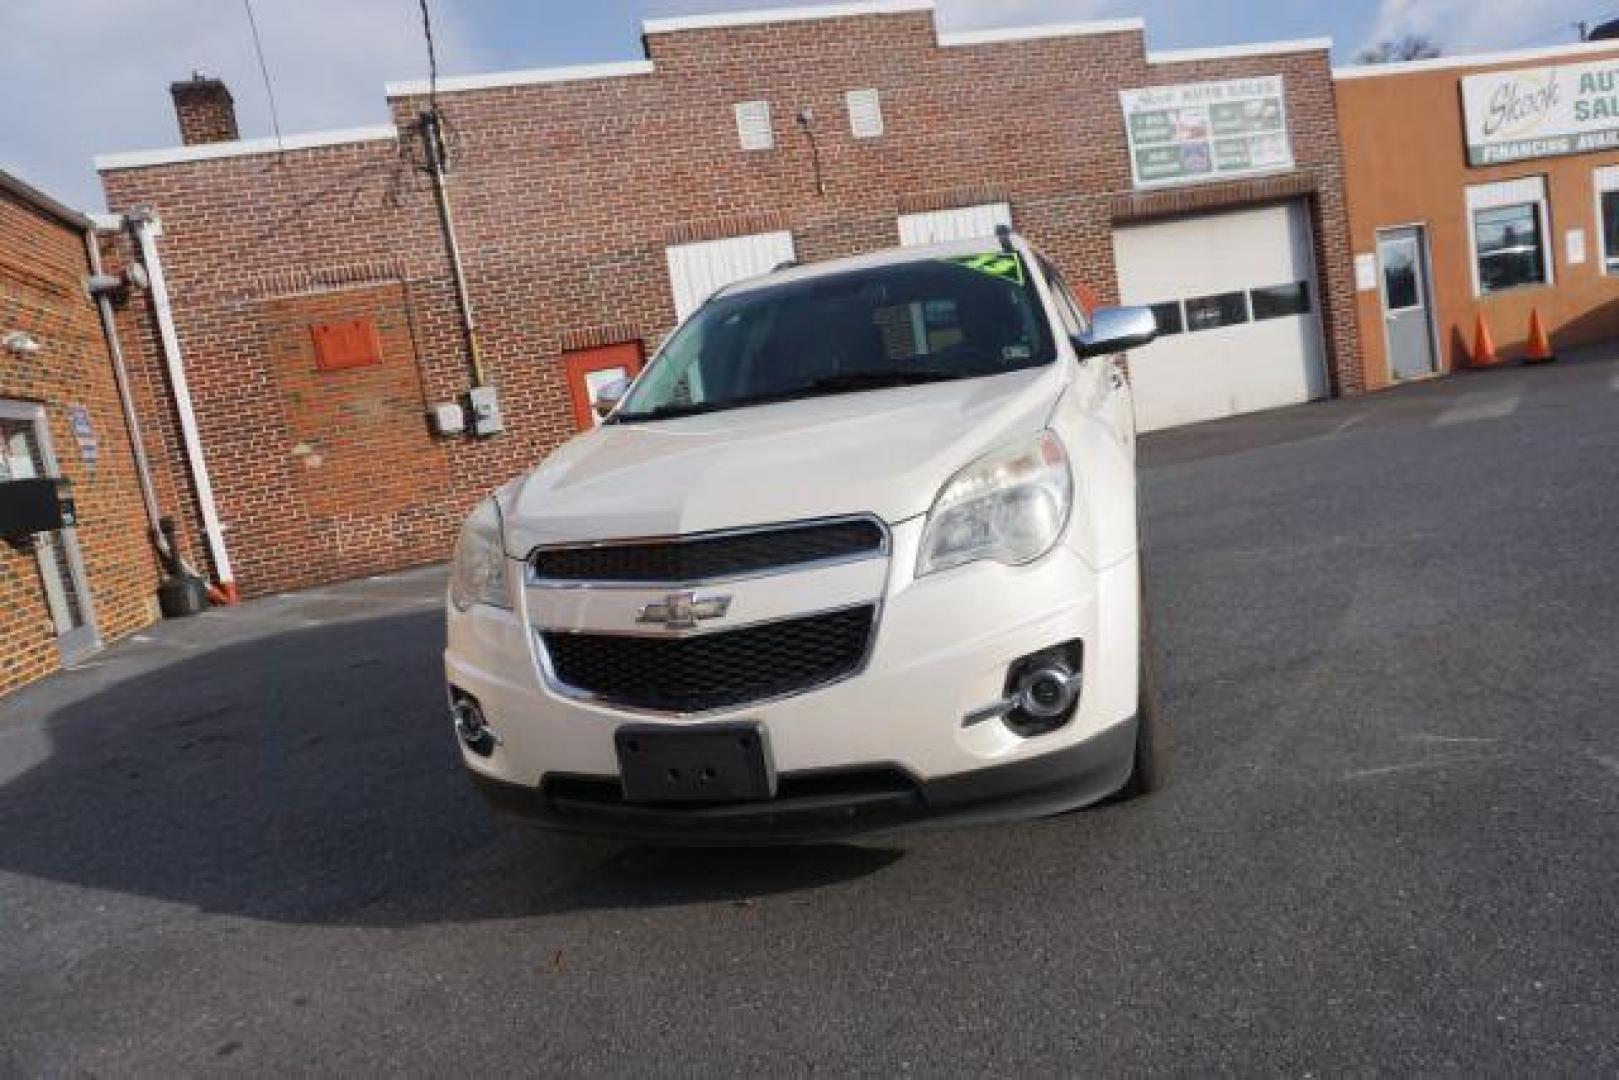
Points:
21	343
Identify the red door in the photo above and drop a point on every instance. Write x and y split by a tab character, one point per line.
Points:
591	369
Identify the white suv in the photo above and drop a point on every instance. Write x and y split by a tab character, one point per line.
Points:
859	548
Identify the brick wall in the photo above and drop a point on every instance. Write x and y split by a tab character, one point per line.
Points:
567	194
43	265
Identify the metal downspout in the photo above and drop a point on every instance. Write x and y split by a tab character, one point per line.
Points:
147	228
435	161
120	374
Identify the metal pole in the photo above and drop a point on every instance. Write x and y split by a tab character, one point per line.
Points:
435	162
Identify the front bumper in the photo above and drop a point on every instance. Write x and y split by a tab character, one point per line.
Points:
834	804
884	748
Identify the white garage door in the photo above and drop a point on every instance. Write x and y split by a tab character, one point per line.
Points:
962	223
1237	308
698	271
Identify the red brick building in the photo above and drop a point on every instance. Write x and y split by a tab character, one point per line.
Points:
63	593
314	300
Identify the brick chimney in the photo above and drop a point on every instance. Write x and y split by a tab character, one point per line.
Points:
205	109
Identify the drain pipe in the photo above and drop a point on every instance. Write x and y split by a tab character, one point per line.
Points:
432	137
120	375
147	229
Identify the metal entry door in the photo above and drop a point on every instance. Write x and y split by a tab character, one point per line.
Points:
1407	315
25	453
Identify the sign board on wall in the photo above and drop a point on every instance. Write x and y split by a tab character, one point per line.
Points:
1199	132
1541	112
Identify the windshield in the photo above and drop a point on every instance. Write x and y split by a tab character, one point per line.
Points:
927	321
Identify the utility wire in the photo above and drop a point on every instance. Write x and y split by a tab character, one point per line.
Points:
432	59
264	70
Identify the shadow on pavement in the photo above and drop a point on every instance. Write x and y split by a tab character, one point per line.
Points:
310	777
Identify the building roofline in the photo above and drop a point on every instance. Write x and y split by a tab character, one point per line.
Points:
1449	63
1035	33
141	159
44	203
527	77
1237	52
762	16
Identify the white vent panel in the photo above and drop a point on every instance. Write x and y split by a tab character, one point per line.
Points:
753	125
865	114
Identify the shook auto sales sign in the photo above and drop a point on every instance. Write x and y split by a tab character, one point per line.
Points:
1197	132
1541	112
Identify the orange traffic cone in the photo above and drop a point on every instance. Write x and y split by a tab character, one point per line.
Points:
1483	344
1540	346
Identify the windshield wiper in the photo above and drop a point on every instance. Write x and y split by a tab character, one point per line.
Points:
847	383
854	381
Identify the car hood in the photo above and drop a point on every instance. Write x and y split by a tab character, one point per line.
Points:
884	452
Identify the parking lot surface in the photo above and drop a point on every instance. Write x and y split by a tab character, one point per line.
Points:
1390	839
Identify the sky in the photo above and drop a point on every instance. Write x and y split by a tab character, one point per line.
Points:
82	77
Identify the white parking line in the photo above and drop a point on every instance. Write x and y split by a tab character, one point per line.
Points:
1471	410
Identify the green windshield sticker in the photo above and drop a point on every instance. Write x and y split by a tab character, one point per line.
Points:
999	264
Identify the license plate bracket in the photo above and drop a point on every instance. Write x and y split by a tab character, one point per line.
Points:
715	763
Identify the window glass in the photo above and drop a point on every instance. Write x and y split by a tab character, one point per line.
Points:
1610	231
1511	251
1212	312
926	320
1168	315
1280	301
1069	310
1400	274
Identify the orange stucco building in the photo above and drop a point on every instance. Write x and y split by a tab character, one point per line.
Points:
1482	185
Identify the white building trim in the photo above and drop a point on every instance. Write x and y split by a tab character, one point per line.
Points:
1237	52
140	159
531	77
1035	33
785	14
1449	63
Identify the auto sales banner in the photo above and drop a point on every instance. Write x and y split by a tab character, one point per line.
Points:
1541	112
1206	131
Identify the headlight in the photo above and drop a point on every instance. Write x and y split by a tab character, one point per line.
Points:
1009	506
478	573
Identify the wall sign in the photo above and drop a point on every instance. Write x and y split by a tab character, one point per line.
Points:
1541	112
84	433
1201	132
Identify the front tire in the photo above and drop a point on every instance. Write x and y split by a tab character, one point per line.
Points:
1147	773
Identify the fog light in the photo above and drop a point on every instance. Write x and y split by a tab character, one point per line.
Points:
470	725
1041	694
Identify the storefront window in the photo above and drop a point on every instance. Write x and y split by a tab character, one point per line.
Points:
1511	248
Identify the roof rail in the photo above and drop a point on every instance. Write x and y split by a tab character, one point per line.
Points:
786	264
1003	233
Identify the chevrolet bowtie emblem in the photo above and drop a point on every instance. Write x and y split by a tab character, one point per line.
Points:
684	610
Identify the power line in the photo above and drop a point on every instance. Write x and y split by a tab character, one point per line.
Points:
264	70
432	59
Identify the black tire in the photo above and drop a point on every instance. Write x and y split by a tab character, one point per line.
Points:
1147	775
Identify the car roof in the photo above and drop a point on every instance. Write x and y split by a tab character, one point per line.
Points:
888	257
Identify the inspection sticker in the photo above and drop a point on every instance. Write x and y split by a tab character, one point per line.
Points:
1000	264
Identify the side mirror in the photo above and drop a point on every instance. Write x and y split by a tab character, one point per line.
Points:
1116	330
608	397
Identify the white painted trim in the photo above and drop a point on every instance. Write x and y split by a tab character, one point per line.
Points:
140	159
494	80
1035	33
718	20
1449	63
1237	52
146	234
107	222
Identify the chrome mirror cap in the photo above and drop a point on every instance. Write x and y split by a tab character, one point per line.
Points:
1117	329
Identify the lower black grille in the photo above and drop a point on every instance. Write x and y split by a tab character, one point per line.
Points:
713	671
699	558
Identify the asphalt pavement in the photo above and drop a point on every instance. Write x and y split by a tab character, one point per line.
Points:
1389	635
